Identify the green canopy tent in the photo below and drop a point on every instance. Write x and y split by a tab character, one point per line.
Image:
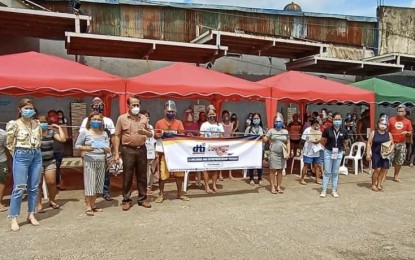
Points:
388	93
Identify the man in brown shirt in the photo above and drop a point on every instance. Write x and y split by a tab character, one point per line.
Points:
131	131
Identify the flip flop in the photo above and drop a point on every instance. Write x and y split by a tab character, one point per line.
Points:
160	199
3	208
396	180
209	191
280	191
54	206
41	211
184	198
89	212
303	183
96	209
274	192
374	189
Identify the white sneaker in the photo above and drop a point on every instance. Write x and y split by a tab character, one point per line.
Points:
411	165
323	194
252	183
335	194
260	183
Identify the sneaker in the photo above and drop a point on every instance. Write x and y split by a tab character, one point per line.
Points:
260	183
411	165
252	183
323	194
335	194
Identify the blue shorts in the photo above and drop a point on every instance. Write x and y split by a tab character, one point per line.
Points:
310	160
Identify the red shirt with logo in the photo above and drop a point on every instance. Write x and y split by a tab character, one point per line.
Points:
397	126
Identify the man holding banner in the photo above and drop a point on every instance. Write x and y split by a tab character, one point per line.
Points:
169	124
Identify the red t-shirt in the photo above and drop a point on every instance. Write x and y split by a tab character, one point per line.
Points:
174	128
397	126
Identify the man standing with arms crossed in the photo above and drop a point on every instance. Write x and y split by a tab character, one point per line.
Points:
400	128
131	132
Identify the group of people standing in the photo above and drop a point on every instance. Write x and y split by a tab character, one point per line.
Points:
30	143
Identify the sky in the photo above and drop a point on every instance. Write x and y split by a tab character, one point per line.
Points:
345	7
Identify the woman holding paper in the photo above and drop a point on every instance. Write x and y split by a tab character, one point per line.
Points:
380	164
94	145
280	147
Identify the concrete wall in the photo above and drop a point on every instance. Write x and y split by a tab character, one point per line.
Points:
396	30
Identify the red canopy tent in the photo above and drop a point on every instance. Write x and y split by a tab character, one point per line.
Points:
182	80
37	74
303	88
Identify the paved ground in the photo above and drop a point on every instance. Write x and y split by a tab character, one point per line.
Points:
239	222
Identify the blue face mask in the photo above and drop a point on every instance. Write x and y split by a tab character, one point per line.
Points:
278	125
44	126
337	123
170	115
256	121
95	124
28	113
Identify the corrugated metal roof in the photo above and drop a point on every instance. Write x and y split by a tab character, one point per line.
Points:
236	8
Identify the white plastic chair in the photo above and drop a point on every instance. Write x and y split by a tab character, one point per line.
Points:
356	154
298	157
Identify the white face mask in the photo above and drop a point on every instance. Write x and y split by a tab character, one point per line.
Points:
135	110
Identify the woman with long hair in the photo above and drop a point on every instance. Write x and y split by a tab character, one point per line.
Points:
94	144
49	134
24	137
380	164
256	128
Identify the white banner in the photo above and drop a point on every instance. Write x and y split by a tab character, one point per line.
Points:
184	153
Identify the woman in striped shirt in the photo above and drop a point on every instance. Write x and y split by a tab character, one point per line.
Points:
49	134
94	145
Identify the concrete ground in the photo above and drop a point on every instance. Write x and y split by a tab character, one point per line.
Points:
239	222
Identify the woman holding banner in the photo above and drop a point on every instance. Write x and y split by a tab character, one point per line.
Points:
211	129
279	147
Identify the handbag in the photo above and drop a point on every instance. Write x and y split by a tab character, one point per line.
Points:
285	152
386	149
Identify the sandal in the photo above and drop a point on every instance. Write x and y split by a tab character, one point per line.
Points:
396	180
374	189
302	182
274	192
3	208
209	191
96	209
280	191
160	199
184	198
54	206
89	212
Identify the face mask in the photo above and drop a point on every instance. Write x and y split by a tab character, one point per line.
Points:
256	121
278	125
44	126
98	108
212	118
382	127
28	113
170	115
135	110
337	123
248	121
95	124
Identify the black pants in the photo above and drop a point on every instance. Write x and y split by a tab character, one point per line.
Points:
134	163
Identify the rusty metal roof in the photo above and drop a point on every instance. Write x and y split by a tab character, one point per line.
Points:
342	66
40	24
241	43
133	48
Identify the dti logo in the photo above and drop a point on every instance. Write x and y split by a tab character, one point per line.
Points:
199	148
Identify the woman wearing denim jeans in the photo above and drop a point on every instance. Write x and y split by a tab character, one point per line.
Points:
336	140
24	137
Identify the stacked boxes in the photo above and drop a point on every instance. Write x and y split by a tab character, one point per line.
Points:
78	113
